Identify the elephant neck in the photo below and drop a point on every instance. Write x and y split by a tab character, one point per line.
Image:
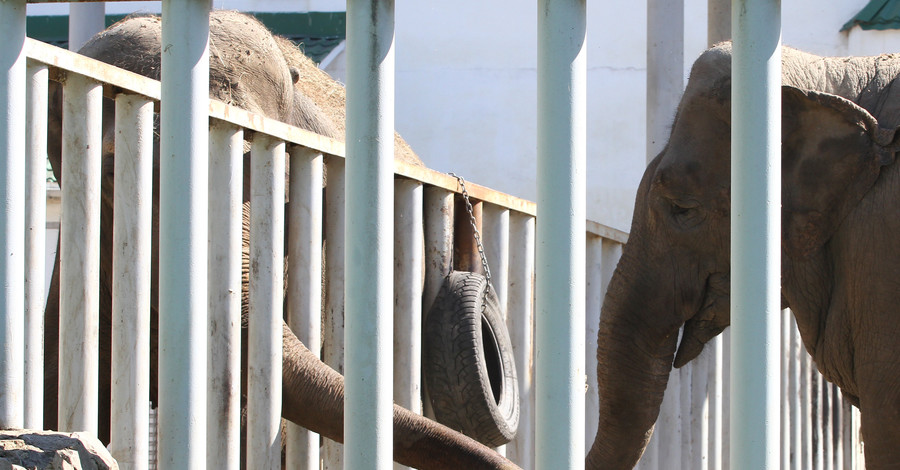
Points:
807	288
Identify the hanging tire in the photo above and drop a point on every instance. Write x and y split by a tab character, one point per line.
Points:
469	367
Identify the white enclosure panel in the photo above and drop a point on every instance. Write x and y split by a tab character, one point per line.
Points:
304	282
133	208
226	144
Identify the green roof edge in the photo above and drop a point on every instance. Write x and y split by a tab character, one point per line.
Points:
313	24
866	18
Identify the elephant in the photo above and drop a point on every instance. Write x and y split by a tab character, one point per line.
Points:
840	261
252	69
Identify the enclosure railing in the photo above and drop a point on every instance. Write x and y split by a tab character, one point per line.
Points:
424	216
424	238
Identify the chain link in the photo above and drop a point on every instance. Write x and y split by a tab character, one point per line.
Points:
465	195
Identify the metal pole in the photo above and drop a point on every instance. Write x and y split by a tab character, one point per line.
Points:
265	329
12	213
79	303
560	260
368	410
333	340
409	251
35	242
304	282
130	407
226	159
756	234
718	27
665	70
85	20
184	161
520	321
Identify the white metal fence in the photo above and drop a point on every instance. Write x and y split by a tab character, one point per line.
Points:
820	430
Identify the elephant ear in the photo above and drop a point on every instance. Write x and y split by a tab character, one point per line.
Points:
832	153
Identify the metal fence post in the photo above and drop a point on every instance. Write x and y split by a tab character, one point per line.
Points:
35	242
756	234
85	20
130	394
226	155
79	303
304	281
369	247
12	213
183	229
265	331
560	262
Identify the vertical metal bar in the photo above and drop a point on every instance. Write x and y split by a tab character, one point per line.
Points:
439	210
828	424
85	20
700	405
818	421
265	329
183	229
333	350
784	394
368	407
726	398
716	399
495	222
304	222
408	252
806	423
80	255
718	21
560	233
756	233
718	30
520	321
409	248
495	234
665	82
667	432
133	199
665	69
595	291
840	437
797	354
226	152
439	220
12	214
686	423
35	241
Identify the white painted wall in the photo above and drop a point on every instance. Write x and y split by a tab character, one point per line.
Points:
466	82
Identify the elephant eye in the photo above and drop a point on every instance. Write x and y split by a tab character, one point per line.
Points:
685	213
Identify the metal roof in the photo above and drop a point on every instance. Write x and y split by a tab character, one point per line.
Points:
877	14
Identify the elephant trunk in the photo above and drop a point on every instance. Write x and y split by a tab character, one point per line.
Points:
635	353
314	398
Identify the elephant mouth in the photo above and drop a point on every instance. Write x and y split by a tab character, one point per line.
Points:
710	320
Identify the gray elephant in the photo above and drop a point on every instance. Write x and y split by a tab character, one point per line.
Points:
840	257
251	69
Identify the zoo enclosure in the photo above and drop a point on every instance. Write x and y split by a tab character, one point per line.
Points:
509	232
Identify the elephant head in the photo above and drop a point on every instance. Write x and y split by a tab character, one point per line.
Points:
674	270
